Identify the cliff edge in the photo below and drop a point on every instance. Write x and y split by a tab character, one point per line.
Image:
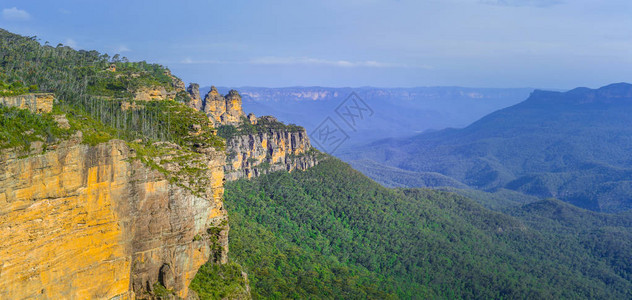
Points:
254	146
94	222
112	187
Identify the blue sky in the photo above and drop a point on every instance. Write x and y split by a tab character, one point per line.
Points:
387	43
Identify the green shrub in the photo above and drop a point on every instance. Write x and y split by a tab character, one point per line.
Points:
217	281
20	127
15	88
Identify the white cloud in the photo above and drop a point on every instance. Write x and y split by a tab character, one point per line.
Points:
326	62
122	48
189	61
300	61
64	11
15	14
71	43
273	60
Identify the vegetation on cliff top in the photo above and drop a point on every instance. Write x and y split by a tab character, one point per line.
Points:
84	85
19	128
127	77
96	94
330	232
264	124
14	88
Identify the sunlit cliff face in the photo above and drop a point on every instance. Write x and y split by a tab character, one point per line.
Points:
88	222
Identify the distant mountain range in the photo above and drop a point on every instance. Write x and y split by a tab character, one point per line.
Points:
575	146
396	112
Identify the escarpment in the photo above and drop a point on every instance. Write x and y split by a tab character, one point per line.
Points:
111	188
159	91
134	218
254	146
35	102
269	148
94	222
221	110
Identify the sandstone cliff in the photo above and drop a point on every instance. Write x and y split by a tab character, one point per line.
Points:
35	102
93	222
194	93
160	92
123	219
254	146
269	149
114	194
221	110
152	93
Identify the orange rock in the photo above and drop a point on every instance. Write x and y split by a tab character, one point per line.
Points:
35	102
89	223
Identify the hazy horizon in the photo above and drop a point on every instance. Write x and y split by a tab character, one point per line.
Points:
376	149
469	43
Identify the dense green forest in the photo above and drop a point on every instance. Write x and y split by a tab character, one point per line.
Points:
330	232
92	90
14	88
264	124
574	146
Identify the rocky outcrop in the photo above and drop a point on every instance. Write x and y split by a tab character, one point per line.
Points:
159	92
223	110
273	149
92	222
252	118
152	93
177	83
267	146
36	102
194	93
234	111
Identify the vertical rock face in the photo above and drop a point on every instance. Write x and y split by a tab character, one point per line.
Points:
194	93
234	112
223	110
91	223
270	146
37	102
273	150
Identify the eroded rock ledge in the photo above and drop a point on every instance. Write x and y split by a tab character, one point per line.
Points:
269	150
254	146
35	102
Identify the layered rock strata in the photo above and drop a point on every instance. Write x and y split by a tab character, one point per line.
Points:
273	150
221	110
271	146
35	102
92	222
